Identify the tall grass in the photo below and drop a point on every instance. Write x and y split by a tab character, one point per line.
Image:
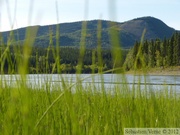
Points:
88	110
76	108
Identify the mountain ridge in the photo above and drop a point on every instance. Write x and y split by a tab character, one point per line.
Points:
70	33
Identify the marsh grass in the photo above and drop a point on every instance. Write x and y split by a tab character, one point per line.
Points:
88	110
74	108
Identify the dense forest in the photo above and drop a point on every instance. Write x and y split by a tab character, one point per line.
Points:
45	60
154	53
53	59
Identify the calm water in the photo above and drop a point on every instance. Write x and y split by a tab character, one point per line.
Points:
109	80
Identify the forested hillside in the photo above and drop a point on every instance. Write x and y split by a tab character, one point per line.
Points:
70	33
148	53
60	45
154	53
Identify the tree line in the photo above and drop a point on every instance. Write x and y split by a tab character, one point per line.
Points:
56	59
154	53
53	59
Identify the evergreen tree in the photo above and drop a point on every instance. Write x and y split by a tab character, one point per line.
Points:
151	54
175	49
136	48
170	52
178	43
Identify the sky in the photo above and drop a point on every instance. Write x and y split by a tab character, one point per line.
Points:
20	13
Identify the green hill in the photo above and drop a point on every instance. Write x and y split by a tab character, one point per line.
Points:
70	33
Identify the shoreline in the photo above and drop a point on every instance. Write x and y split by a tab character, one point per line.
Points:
171	71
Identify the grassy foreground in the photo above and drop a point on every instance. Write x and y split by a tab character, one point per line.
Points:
89	110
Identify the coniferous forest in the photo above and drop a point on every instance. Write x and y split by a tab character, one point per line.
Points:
147	53
154	53
43	60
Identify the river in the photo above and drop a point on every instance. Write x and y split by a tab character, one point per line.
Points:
108	80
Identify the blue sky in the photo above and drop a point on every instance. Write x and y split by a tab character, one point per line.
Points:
21	13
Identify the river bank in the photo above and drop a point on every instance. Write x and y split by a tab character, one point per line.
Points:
157	71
